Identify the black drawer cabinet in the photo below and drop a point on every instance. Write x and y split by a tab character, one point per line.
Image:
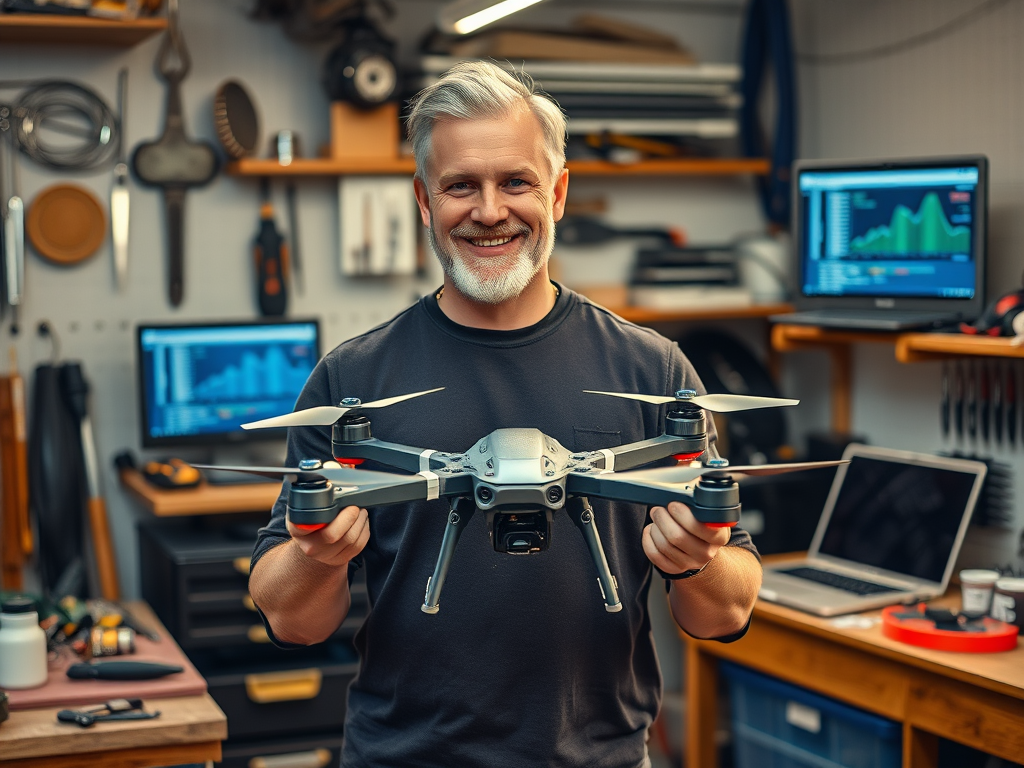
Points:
297	692
196	580
284	707
324	752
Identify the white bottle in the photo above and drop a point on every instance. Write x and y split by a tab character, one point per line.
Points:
22	645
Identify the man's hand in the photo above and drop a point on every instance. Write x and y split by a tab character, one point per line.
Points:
676	541
337	542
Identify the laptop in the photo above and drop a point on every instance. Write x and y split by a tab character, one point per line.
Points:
889	245
890	533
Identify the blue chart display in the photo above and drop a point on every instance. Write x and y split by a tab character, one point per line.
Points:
907	232
203	383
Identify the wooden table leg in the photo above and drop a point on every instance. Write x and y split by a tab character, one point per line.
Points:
920	748
701	708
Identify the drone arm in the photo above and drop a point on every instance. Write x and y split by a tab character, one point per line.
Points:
609	486
395	455
633	455
712	501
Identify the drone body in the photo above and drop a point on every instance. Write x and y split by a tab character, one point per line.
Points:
519	477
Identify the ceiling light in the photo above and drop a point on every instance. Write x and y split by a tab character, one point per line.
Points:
465	16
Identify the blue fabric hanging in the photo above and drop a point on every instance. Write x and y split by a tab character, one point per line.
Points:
767	40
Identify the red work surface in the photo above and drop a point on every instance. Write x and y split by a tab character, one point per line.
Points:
62	691
998	635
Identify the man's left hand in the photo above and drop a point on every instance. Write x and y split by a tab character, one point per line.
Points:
677	541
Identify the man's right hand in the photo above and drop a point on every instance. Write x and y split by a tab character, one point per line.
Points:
337	542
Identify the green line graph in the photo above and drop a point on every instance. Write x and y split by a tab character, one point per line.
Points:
927	231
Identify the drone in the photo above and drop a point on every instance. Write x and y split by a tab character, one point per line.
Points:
520	477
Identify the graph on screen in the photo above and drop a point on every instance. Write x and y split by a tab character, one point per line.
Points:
924	232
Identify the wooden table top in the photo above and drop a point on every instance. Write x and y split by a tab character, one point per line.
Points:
34	736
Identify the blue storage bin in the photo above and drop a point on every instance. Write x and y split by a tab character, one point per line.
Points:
779	725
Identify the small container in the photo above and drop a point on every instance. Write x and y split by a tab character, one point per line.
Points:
1008	601
976	588
22	645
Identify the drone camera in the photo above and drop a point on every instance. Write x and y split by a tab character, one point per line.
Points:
520	532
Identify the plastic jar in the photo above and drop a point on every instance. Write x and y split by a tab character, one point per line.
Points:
22	645
976	588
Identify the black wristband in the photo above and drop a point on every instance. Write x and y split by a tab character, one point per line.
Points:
684	575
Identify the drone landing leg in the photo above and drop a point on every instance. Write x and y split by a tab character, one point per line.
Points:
462	510
582	515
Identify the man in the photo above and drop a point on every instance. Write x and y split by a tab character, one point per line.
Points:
522	666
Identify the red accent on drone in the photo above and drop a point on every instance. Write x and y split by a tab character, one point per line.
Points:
721	525
686	456
310	526
349	462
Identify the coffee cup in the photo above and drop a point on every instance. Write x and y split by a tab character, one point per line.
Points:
976	587
1008	601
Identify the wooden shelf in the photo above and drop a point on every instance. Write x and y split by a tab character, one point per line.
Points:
76	30
923	347
644	316
406	165
909	348
204	499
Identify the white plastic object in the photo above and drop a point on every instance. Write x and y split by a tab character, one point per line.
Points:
22	645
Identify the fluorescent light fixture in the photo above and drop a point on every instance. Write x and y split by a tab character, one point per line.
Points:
465	16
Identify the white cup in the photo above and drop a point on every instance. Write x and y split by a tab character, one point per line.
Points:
976	587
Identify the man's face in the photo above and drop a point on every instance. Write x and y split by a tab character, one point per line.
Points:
490	203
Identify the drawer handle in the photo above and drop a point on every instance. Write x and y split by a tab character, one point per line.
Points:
247	601
316	758
242	565
257	633
287	685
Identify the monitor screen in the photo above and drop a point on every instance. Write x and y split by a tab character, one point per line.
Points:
198	383
902	517
903	230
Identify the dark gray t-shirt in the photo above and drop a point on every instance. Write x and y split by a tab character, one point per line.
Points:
522	666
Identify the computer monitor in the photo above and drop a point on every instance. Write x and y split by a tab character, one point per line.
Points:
910	231
199	382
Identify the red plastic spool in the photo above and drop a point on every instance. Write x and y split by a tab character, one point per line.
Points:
998	635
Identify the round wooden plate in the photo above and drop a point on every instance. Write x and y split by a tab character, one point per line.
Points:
66	224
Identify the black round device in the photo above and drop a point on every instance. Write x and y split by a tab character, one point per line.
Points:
362	70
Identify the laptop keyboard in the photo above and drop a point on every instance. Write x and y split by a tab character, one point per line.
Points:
845	583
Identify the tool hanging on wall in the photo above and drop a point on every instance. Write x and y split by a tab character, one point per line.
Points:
173	162
76	391
15	527
271	260
12	212
286	148
56	484
119	192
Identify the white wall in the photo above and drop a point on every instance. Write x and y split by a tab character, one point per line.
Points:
96	324
956	94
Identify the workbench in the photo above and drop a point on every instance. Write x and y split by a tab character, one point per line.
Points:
975	699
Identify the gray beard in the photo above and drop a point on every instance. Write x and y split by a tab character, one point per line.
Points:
499	279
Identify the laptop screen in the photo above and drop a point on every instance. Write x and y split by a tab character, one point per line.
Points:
882	233
903	517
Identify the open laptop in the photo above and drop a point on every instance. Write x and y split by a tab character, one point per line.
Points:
889	245
890	532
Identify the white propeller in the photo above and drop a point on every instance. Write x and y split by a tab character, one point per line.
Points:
326	415
685	474
721	403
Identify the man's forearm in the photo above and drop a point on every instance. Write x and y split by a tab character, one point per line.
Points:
718	601
303	599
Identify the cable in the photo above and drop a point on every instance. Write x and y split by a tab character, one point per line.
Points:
906	44
57	107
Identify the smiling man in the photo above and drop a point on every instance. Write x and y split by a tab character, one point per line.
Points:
522	665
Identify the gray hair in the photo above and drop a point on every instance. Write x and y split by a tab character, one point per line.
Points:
482	89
